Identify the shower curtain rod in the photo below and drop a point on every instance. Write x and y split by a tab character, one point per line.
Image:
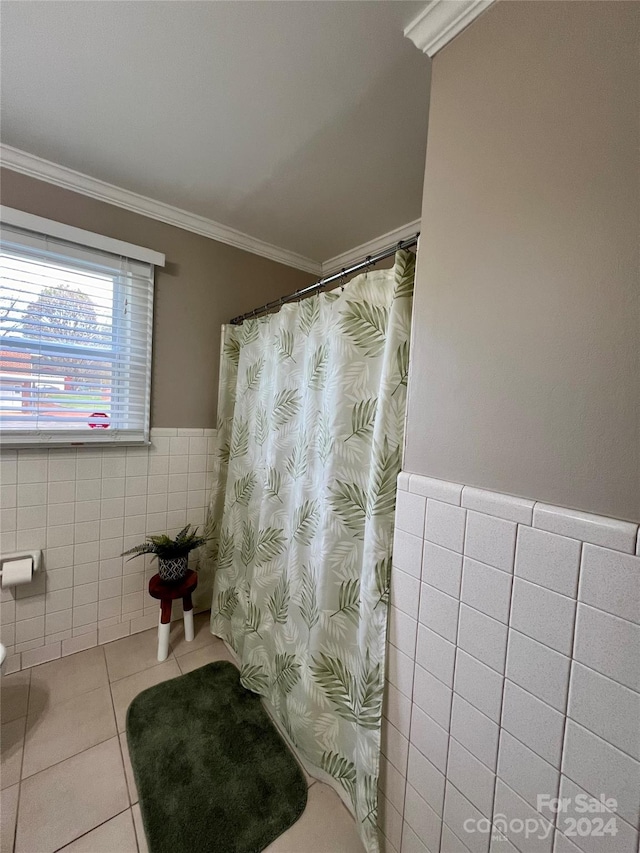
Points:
369	261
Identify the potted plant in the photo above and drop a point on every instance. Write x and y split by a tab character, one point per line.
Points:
172	554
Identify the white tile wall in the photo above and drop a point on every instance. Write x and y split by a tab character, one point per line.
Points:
487	590
502	506
525	675
445	525
543	615
432	696
442	568
483	637
525	772
85	507
490	540
436	654
426	778
624	841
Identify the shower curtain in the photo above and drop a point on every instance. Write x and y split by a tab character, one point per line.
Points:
310	433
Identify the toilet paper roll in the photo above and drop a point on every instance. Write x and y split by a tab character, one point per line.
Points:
17	572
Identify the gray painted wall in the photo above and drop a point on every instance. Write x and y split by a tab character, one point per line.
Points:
526	347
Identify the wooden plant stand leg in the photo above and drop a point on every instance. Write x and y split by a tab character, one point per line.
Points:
187	608
164	626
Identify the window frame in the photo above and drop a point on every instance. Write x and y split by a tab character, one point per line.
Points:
87	240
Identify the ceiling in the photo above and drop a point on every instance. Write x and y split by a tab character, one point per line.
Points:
302	124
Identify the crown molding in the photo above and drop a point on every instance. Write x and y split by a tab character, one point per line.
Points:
44	170
358	253
441	20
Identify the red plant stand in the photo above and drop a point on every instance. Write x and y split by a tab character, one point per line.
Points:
167	592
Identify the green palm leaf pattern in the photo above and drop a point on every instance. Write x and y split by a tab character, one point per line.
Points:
317	368
252	374
224	558
363	416
243	489
343	770
370	786
211	527
305	522
239	439
254	678
338	684
405	268
383	580
370	690
287	672
250	332
402	363
227	601
285	405
212	533
271	542
349	599
359	703
297	463
273	484
248	547
285	345
279	601
366	325
231	350
262	426
224	452
254	618
349	502
386	467
309	314
325	440
308	600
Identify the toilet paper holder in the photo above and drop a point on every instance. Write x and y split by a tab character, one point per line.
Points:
35	556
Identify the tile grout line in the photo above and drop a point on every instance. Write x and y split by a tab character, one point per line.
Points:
606	613
610	745
24	741
455	665
504	677
413	676
102	823
62	760
171	656
563	740
404	738
126	780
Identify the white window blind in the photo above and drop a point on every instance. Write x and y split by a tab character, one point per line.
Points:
75	341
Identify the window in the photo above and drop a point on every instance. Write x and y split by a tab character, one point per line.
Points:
76	315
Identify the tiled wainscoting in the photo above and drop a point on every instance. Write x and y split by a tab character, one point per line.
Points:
83	508
513	672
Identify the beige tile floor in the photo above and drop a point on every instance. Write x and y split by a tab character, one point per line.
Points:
67	783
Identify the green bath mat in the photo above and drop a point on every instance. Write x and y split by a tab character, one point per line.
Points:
212	772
